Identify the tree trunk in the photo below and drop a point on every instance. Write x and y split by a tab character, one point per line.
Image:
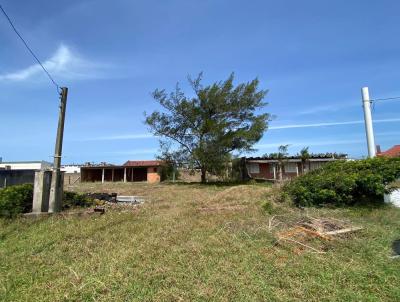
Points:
280	175
203	175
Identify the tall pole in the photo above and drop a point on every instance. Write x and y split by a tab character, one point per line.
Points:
56	192
368	122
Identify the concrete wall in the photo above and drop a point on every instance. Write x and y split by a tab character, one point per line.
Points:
16	177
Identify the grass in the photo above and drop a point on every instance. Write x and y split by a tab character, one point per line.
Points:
196	243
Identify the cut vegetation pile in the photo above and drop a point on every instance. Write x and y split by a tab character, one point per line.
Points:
201	243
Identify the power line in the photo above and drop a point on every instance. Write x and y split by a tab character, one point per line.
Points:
387	99
29	49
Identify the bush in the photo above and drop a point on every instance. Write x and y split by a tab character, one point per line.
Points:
72	200
345	182
15	200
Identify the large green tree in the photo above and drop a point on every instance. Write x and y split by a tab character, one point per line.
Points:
206	128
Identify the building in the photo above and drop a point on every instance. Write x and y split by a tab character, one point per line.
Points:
20	172
267	168
26	165
131	171
392	152
71	169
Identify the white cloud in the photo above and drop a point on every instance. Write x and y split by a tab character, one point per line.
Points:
119	137
64	64
327	108
377	121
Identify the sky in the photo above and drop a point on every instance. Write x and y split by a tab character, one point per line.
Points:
313	56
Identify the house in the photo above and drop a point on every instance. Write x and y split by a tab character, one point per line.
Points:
392	152
20	172
131	171
268	168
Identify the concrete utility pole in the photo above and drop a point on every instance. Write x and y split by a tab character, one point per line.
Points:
56	191
368	122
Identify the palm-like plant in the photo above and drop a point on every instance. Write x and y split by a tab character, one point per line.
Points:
305	156
281	156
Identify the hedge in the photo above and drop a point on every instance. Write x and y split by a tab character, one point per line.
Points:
345	182
15	200
18	199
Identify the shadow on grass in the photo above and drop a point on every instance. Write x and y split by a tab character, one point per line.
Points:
220	183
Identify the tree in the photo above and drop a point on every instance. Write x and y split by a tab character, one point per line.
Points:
305	156
205	129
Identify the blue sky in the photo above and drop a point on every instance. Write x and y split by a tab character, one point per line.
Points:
313	56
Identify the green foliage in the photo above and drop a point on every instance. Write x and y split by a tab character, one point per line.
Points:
73	199
268	207
205	129
15	200
345	182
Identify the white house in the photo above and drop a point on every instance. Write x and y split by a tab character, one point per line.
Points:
25	165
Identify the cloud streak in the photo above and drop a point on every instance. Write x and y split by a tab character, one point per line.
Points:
139	136
329	124
64	64
120	137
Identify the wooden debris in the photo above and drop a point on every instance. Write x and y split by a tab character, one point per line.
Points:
344	231
302	244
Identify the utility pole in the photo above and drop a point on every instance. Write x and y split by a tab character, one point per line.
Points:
368	122
56	190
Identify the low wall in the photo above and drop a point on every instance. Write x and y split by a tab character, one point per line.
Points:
393	198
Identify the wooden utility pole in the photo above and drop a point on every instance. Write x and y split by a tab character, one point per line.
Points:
56	191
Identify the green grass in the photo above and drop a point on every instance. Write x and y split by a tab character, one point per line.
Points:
196	243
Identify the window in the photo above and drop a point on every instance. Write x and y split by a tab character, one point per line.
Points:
253	168
290	167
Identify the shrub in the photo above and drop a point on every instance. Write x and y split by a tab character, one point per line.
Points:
345	182
15	200
72	200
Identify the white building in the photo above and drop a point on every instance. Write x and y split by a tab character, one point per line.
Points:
25	165
71	168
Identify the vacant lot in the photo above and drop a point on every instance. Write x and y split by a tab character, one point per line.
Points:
197	243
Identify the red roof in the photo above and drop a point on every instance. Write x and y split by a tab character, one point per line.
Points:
143	163
392	152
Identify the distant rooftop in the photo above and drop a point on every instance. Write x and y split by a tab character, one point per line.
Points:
143	163
392	152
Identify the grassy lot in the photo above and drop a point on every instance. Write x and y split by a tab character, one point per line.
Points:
197	243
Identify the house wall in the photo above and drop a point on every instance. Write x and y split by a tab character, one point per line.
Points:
264	171
153	175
